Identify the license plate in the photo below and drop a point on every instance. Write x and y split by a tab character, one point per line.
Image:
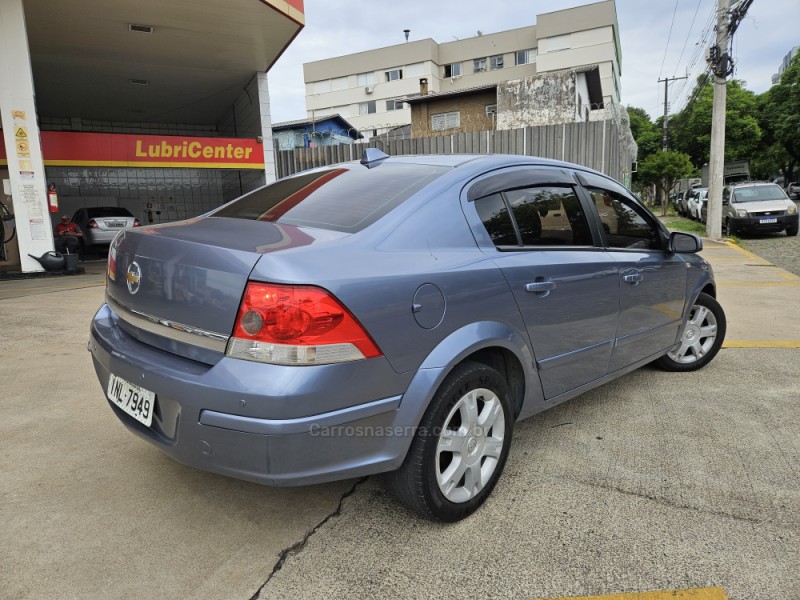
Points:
115	223
762	221
132	399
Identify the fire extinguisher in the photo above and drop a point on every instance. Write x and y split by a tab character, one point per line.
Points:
52	198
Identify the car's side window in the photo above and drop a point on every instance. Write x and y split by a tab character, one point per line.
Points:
726	194
540	216
497	220
624	226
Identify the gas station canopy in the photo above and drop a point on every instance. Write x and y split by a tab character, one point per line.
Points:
151	60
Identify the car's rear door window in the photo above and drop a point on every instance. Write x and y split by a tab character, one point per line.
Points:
535	216
341	199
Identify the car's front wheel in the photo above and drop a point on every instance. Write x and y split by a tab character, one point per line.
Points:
460	447
701	338
730	230
792	230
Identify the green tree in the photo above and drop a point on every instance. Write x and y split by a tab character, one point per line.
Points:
691	128
647	136
780	120
663	169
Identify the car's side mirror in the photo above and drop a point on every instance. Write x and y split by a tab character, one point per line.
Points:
725	202
684	243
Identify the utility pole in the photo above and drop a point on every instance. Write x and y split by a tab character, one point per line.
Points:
664	137
721	65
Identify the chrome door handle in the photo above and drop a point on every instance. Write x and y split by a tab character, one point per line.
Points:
540	286
632	278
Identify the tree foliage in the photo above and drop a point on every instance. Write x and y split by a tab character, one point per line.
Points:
667	166
763	129
663	169
780	121
690	131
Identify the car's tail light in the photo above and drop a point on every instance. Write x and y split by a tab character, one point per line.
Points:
136	223
92	224
296	325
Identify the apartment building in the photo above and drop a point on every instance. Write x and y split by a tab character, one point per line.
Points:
369	88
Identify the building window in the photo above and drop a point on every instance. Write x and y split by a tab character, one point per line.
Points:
479	65
366	108
366	78
443	121
525	57
452	70
394	74
394	105
491	110
339	83
496	62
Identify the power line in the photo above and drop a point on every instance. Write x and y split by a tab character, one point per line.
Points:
688	33
697	64
669	36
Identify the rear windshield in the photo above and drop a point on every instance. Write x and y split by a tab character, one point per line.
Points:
341	199
758	193
100	212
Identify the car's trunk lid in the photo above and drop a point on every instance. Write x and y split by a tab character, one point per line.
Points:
178	286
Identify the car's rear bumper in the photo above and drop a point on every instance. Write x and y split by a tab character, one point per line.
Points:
207	419
100	237
761	224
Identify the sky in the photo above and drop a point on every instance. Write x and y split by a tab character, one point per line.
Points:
659	38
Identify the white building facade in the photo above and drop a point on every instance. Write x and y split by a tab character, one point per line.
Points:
367	88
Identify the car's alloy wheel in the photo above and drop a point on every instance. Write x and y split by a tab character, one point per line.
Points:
701	337
469	445
460	447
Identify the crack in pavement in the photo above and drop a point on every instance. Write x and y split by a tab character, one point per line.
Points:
673	504
297	547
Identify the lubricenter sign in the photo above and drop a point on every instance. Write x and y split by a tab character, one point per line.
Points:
61	148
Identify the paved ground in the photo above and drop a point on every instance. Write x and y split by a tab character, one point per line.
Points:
778	248
655	481
89	511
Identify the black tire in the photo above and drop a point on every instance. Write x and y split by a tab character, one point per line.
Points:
791	231
730	230
415	482
676	360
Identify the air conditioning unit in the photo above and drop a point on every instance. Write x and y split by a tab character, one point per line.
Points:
369	89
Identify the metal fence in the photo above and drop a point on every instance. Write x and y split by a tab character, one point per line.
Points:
604	145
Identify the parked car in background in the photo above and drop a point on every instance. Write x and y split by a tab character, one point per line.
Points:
793	190
395	315
696	200
681	203
100	224
757	207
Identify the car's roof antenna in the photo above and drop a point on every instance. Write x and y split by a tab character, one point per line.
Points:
372	157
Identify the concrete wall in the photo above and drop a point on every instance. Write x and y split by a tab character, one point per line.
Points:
542	100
